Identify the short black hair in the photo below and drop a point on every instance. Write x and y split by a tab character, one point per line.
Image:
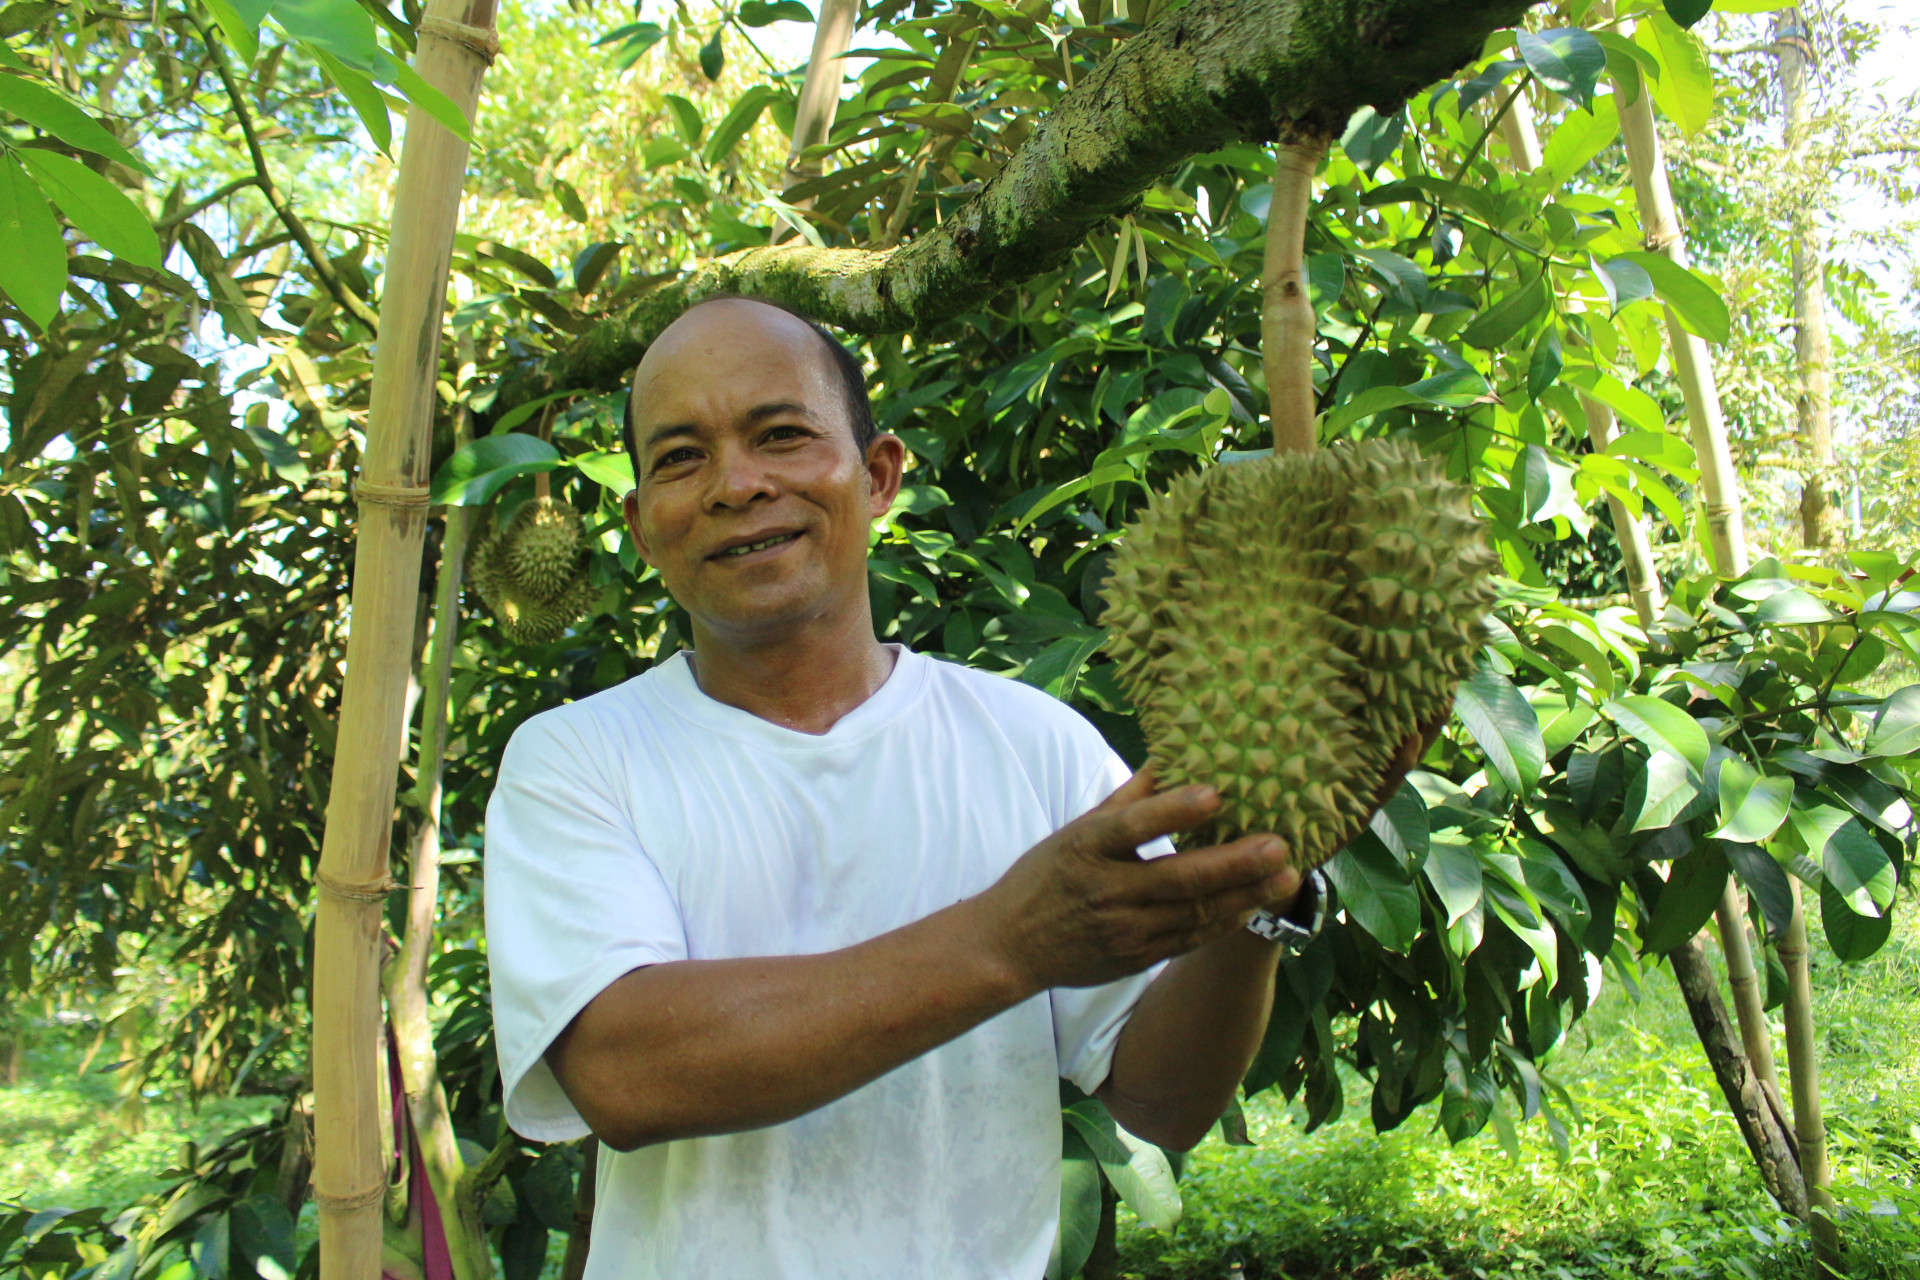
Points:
853	380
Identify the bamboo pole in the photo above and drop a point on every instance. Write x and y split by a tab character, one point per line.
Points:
580	1239
407	1002
456	43
1803	1063
1287	321
1812	347
819	97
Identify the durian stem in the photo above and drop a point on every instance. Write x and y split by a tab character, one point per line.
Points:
1286	314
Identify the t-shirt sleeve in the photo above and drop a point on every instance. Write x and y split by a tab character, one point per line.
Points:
1087	1021
572	903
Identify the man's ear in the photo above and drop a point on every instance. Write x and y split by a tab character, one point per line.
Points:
886	463
630	508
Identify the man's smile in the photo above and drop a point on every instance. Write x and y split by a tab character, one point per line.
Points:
741	550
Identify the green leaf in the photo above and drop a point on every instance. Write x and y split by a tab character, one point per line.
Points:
1684	89
363	95
1376	892
47	110
613	469
1578	139
1454	872
1766	881
239	21
1568	61
1145	1183
33	257
1858	868
1503	722
1401	824
1896	726
1687	12
1792	607
101	211
713	58
1543	370
1687	900
1752	807
762	13
339	28
1661	791
402	76
1852	936
480	469
1497	325
1079	1207
686	119
1696	304
734	125
1662	727
1624	281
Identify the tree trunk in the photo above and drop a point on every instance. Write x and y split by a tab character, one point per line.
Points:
1812	349
1214	72
580	1238
407	997
456	42
1744	1093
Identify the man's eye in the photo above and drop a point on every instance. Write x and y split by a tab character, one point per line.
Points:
673	457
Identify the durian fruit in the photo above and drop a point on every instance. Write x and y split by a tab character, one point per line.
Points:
1284	624
531	571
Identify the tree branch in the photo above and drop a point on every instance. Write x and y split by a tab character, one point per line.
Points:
206	202
1215	72
349	301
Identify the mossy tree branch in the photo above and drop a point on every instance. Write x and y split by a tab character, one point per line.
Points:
1215	72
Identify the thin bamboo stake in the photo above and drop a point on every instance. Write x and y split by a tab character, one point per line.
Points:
819	97
1287	321
1812	347
456	43
1630	531
580	1238
1803	1062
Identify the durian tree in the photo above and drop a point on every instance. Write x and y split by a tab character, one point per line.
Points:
1600	783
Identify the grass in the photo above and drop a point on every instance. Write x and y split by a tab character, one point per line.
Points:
1657	1183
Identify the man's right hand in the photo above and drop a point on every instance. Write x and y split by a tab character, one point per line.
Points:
1083	908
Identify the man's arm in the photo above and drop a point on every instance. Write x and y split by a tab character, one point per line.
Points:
698	1047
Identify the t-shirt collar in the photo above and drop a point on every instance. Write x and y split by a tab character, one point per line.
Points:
674	683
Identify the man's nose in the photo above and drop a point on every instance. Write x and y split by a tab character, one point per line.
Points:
738	477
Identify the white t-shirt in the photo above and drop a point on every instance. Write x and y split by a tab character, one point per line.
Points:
651	823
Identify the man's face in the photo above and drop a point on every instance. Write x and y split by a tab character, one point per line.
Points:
751	498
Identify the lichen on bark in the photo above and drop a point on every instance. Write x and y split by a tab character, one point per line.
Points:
1212	73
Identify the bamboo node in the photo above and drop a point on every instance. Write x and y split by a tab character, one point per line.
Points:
390	495
346	1204
481	40
356	891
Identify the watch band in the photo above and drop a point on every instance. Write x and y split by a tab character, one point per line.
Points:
1302	925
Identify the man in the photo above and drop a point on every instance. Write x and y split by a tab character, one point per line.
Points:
804	926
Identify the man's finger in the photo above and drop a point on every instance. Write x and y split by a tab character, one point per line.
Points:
1180	927
1203	873
1138	787
1117	832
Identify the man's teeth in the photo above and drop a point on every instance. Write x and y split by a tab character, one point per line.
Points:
762	545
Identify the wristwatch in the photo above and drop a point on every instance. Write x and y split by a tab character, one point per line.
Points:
1299	926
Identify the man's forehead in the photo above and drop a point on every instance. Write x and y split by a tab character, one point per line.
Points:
700	342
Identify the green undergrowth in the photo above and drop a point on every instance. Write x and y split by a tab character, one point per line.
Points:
1656	1182
68	1138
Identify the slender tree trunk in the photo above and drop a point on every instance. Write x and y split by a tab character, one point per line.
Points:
1719	487
1803	1059
456	42
407	997
1812	349
1629	530
819	97
1286	313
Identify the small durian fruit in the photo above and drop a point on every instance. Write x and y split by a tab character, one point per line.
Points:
531	572
1284	624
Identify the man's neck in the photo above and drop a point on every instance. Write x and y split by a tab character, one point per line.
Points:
803	682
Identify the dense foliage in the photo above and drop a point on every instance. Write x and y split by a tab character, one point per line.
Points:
183	425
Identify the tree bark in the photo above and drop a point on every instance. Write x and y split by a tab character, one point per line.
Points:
1812	348
1215	72
456	42
1744	1093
